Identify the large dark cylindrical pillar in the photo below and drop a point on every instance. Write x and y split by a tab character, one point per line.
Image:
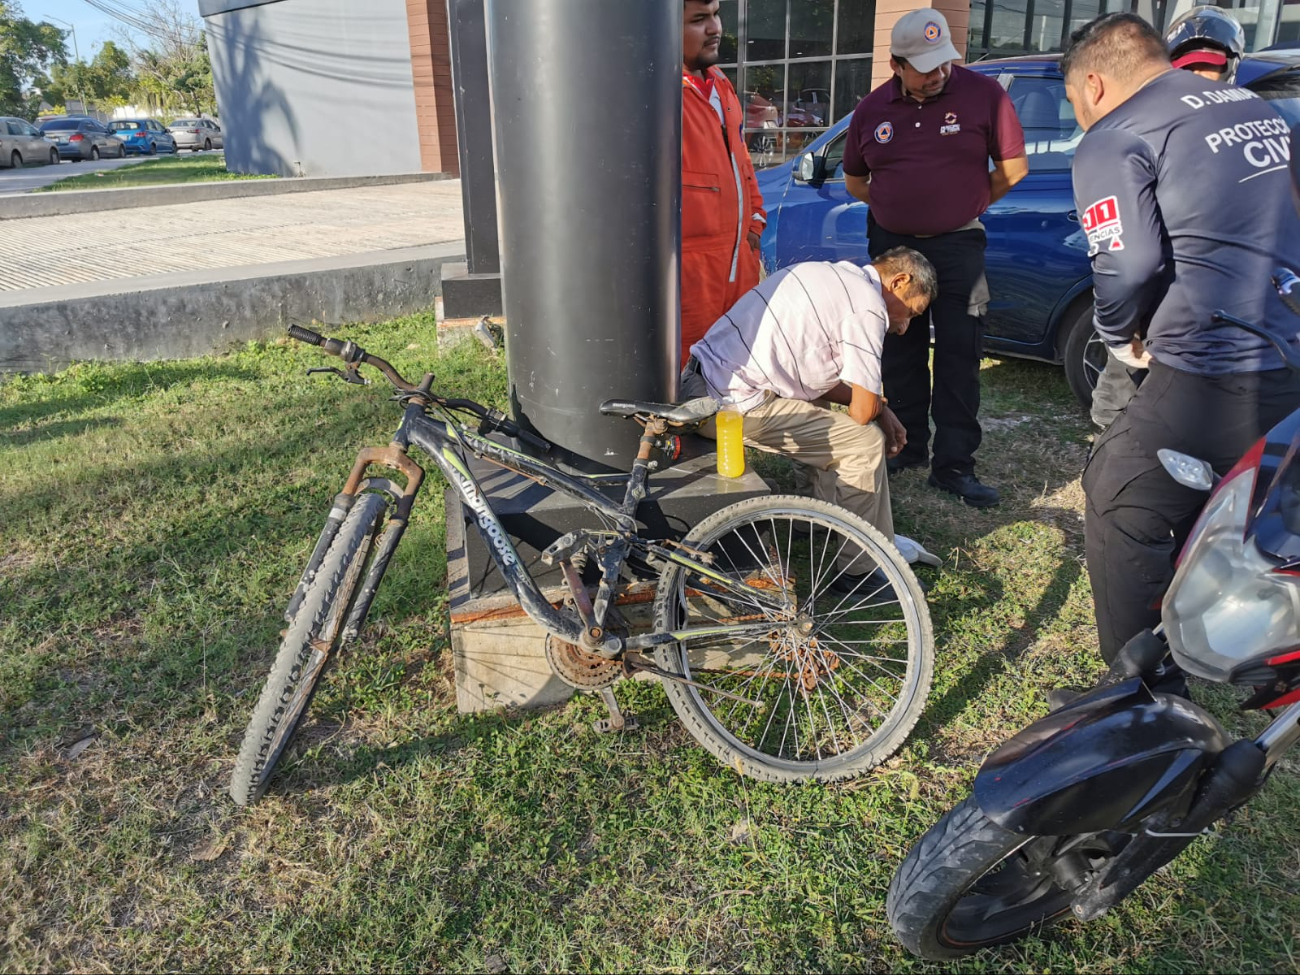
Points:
474	134
586	105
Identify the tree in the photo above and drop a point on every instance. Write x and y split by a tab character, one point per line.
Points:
171	59
107	80
27	52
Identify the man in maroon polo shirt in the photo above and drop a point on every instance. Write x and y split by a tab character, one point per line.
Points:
918	152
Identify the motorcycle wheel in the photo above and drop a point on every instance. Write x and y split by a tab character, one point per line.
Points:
968	883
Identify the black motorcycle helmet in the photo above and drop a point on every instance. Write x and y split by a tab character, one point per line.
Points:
1207	28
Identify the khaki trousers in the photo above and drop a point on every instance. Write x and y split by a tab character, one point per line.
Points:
847	460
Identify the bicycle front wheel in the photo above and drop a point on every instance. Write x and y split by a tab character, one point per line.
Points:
840	679
315	632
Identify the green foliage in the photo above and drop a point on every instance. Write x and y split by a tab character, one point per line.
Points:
173	73
106	81
27	52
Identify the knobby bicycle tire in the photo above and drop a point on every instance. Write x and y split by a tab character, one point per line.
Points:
312	639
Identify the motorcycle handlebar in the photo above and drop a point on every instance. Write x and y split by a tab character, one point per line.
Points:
1288	288
1287	284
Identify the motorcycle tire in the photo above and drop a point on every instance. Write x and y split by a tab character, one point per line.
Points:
968	883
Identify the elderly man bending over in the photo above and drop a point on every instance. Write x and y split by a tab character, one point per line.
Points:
810	334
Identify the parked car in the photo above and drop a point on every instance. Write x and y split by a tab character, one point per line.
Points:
21	143
1037	261
196	134
760	113
80	137
145	136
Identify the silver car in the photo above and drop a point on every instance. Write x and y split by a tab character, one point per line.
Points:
79	137
22	144
196	134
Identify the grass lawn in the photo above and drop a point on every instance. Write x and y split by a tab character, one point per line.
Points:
155	519
164	171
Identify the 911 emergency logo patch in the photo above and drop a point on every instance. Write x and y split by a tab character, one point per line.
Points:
933	32
884	132
1102	223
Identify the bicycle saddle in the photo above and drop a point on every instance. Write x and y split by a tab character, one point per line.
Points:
692	411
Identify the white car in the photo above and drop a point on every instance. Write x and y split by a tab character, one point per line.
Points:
196	134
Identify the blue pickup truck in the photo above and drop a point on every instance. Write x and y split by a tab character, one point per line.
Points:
1038	270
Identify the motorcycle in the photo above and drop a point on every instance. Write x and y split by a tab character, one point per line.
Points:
1073	813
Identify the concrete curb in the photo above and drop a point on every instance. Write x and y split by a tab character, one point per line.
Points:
176	316
55	204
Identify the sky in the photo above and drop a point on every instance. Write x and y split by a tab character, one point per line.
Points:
93	27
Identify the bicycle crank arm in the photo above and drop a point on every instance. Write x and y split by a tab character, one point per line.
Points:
630	666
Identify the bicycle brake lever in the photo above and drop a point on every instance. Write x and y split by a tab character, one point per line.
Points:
348	375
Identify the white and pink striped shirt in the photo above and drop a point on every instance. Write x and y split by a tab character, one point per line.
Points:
798	334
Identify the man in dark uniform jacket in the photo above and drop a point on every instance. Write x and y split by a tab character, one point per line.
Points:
1182	188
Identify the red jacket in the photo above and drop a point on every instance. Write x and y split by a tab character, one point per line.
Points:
721	205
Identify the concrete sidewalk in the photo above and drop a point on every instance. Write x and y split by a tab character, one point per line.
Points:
119	285
47	252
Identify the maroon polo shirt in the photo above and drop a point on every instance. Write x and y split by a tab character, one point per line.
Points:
929	161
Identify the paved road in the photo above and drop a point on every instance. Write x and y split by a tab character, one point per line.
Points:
33	177
45	252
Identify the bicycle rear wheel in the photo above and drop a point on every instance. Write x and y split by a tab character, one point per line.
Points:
315	633
836	685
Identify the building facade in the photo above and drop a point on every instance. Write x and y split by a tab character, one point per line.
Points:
341	87
800	65
333	87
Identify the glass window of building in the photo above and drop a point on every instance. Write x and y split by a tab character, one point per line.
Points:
1007	28
798	66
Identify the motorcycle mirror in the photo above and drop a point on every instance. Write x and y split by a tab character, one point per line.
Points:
1187	471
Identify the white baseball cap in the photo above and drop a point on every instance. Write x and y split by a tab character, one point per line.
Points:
923	39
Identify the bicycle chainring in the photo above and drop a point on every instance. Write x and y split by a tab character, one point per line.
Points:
580	669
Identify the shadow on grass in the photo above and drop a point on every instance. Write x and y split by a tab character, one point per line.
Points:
99	386
60	428
172	606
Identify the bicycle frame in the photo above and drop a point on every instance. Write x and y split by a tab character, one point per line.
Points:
445	441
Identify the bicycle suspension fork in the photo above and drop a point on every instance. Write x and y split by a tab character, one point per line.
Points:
394	457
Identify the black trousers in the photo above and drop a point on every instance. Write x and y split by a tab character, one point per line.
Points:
1116	386
1138	517
958	347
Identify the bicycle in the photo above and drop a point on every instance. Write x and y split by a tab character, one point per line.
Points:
778	651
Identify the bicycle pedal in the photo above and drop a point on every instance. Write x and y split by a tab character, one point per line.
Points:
628	722
618	719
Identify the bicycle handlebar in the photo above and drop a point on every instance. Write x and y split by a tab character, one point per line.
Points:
351	353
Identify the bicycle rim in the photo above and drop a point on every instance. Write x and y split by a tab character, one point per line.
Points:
838	680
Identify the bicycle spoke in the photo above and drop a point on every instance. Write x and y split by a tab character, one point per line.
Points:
812	722
821	576
830	724
780	583
744	688
845	571
872	682
848	715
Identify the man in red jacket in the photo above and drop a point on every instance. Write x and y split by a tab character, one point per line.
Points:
722	209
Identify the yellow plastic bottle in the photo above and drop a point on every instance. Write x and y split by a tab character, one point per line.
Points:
731	443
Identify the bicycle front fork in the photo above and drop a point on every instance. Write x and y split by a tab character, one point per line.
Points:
394	457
